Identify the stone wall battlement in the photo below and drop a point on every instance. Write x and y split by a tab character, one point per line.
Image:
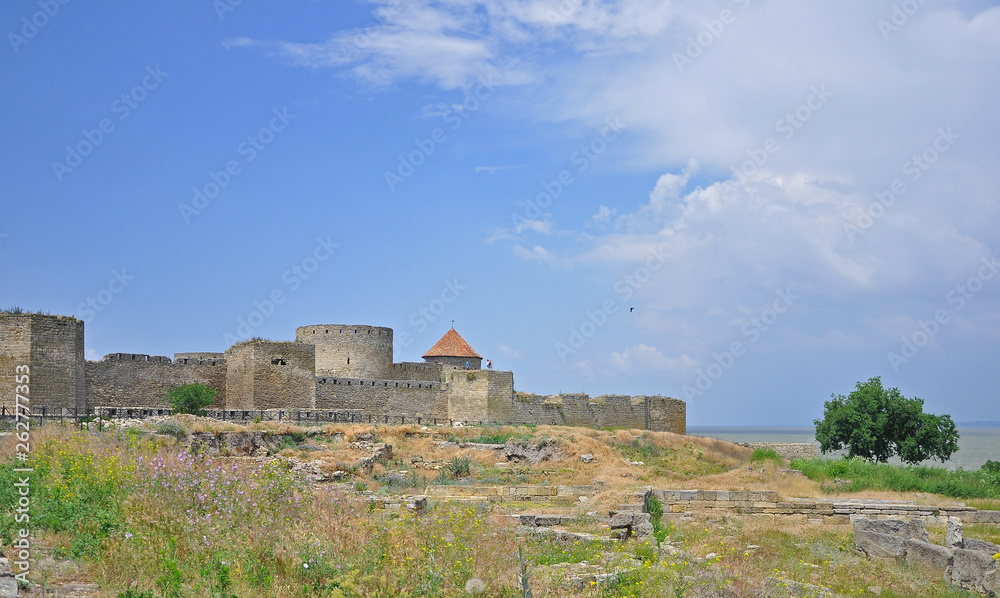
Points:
137	358
378	383
417	371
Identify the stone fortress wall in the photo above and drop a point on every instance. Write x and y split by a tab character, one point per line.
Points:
52	347
327	367
135	380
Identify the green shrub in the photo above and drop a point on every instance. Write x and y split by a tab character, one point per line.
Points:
191	398
170	428
655	509
863	474
459	467
765	453
490	438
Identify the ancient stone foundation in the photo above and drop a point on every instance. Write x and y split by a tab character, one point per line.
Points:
971	566
767	504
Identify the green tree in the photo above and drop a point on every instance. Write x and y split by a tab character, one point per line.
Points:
191	398
876	423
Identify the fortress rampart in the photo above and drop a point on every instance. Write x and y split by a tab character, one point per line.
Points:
430	372
135	380
333	367
409	398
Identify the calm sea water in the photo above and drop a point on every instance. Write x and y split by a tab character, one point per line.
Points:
975	445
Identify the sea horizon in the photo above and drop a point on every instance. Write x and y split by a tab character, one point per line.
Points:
976	443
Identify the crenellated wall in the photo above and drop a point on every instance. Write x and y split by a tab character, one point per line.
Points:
410	370
409	398
136	380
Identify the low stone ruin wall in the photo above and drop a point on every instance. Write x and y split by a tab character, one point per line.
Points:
788	450
510	493
765	503
969	564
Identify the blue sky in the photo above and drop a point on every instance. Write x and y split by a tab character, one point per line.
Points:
746	204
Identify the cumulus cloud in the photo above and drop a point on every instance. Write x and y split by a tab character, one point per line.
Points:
509	351
645	358
537	253
800	146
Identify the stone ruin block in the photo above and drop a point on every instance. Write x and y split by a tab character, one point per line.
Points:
980	546
903	529
630	523
416	504
930	557
886	539
976	571
953	539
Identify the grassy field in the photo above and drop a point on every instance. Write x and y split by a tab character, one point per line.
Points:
135	513
859	474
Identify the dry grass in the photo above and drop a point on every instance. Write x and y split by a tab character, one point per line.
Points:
381	554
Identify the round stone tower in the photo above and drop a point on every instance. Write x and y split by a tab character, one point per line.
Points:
350	351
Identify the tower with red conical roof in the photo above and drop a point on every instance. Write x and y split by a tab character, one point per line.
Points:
454	351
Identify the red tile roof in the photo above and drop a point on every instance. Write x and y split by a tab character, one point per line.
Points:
452	345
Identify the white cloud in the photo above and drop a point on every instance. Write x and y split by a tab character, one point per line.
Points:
496	169
645	358
603	218
509	351
537	253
